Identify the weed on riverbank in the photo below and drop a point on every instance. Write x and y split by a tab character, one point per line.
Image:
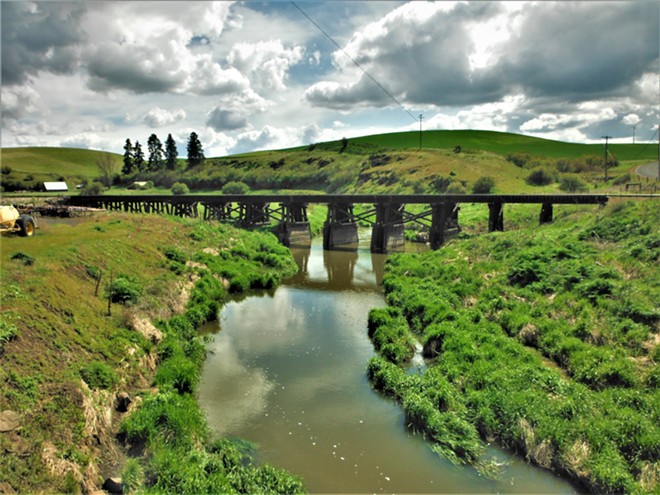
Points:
543	339
110	308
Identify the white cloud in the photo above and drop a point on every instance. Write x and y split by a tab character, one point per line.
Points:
86	140
631	119
259	74
159	117
266	63
19	101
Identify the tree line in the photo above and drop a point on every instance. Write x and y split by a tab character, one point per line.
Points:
159	157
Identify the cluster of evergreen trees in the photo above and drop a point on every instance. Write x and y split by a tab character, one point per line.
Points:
159	158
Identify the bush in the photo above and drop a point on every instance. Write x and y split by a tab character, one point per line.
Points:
98	375
456	188
124	290
179	373
539	177
235	187
6	170
621	179
180	188
519	160
572	183
483	185
91	189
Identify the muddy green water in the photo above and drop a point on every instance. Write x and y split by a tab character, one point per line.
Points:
287	372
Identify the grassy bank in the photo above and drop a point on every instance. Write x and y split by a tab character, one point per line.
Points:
543	339
108	309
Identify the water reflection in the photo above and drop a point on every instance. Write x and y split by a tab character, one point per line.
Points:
288	373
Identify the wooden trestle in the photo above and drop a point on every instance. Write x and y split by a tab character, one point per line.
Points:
387	217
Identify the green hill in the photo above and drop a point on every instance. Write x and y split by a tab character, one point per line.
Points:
383	163
505	143
26	168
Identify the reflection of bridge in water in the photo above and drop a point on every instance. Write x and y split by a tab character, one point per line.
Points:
339	271
386	214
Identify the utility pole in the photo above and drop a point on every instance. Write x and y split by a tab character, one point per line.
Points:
420	130
634	127
606	138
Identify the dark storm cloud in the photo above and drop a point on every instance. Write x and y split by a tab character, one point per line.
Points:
567	51
113	65
424	59
580	51
226	120
39	37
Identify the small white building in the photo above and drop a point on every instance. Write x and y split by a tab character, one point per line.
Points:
55	186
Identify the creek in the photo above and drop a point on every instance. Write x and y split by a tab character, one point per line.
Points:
287	371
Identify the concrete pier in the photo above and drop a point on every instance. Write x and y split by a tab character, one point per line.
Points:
340	228
293	228
387	234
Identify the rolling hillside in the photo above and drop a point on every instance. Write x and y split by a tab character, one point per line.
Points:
391	163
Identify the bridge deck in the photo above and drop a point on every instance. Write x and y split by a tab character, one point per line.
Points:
356	198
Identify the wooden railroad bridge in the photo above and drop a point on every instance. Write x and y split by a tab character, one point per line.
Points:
386	213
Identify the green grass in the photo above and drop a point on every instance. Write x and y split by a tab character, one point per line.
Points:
70	162
65	355
385	163
493	310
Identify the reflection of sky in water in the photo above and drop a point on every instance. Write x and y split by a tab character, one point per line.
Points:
240	395
288	371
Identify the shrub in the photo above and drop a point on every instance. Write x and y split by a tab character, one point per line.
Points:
483	185
98	375
621	179
235	187
456	188
572	183
180	188
179	373
125	290
91	189
519	160
6	170
175	254
539	177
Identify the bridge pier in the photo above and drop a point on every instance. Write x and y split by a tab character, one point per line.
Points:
546	213
495	217
294	227
253	215
387	233
444	222
340	227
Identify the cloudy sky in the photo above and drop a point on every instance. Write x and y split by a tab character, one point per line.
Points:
262	75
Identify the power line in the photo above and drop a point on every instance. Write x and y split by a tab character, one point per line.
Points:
354	61
648	143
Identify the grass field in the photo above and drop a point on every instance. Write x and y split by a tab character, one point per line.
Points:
385	163
69	162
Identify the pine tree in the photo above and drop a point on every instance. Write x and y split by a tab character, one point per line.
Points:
195	151
155	148
128	158
171	153
138	157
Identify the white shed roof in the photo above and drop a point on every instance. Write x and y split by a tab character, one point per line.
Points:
56	186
